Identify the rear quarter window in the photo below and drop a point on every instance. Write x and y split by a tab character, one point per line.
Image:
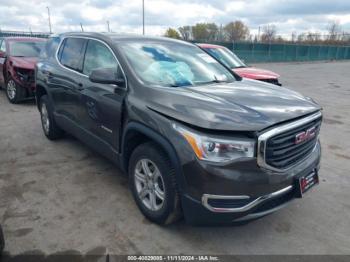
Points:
50	48
72	52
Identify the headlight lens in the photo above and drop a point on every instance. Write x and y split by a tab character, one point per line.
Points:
217	149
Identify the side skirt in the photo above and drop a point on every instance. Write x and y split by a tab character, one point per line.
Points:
90	139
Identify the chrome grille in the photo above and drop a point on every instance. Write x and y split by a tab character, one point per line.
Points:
277	148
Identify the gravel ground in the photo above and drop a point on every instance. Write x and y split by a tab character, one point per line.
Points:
57	196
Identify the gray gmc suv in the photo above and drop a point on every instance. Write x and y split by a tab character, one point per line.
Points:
194	138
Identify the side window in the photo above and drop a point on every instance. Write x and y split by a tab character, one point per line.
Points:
3	46
98	56
72	53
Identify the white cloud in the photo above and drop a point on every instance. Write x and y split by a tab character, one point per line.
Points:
125	15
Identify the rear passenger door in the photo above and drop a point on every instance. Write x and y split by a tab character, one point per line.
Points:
65	82
101	104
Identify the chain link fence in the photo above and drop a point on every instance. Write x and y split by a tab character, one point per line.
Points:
23	34
265	52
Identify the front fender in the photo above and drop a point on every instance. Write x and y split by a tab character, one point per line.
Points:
162	142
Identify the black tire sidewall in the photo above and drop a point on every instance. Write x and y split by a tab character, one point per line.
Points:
157	156
54	131
2	241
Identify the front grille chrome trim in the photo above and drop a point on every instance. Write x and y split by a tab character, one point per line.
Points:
262	140
247	207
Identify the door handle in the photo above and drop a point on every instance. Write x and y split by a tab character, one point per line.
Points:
80	86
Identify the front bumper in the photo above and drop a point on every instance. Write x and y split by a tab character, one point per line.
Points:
24	81
254	192
197	214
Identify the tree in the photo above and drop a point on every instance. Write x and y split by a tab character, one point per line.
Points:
172	33
334	30
301	37
236	31
313	37
213	31
201	32
269	33
186	32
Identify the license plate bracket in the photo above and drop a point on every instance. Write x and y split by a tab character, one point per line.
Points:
305	183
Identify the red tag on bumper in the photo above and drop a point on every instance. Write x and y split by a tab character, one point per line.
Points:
305	183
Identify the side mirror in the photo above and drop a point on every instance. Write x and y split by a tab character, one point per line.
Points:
106	76
2	54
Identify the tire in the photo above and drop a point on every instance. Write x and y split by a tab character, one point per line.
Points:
161	184
2	240
14	92
51	130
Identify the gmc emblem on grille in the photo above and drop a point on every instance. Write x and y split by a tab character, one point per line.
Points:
306	135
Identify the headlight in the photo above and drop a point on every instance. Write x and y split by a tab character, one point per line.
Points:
216	149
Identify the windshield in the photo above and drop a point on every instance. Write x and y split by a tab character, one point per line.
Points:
174	65
226	57
26	49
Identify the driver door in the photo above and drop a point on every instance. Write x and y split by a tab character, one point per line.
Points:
101	104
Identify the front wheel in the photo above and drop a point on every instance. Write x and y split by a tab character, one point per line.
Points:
14	92
153	184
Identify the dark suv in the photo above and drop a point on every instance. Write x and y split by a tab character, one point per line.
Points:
194	138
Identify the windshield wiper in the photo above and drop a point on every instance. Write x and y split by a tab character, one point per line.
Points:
214	81
177	85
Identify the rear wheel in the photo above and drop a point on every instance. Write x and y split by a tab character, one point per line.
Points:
2	241
153	184
14	92
51	130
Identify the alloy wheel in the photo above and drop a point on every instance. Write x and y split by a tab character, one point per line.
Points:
11	89
149	184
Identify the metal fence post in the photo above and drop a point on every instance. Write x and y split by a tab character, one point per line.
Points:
253	53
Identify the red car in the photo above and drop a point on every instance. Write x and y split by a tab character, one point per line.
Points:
18	56
229	59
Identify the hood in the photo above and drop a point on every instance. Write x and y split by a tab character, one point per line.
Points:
23	62
255	73
246	105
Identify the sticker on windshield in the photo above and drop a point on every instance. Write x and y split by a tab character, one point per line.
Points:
207	58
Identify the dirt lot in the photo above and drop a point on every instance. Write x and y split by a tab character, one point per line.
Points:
57	196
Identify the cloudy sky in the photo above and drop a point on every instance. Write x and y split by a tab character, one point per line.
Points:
125	15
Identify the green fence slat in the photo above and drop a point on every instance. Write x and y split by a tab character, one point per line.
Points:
265	52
